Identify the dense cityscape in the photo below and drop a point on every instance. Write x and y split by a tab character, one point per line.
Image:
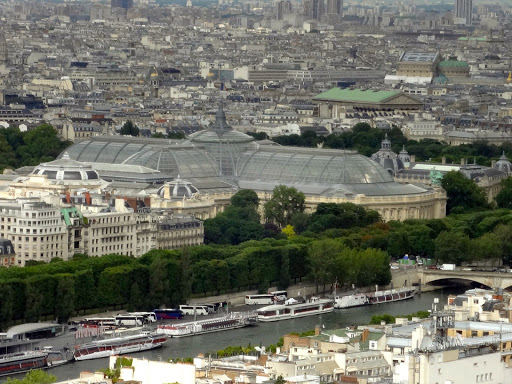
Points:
253	191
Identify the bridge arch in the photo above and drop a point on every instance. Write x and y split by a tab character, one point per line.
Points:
488	279
458	279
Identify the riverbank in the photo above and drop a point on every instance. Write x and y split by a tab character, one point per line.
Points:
262	334
400	278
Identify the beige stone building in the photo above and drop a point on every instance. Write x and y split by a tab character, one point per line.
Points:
204	171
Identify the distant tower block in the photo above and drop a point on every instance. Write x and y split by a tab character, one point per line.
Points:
189	3
4	53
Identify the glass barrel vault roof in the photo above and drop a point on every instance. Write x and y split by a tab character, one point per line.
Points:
302	165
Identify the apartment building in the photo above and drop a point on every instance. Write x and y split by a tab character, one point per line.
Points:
36	230
40	231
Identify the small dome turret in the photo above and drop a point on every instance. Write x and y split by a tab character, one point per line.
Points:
66	169
387	158
404	156
177	189
503	164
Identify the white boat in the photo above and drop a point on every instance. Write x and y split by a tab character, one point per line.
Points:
291	309
391	295
349	301
232	321
143	341
377	297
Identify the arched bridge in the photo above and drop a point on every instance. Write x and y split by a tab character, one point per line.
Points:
490	279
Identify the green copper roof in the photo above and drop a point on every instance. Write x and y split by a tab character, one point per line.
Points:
453	63
68	213
356	95
483	38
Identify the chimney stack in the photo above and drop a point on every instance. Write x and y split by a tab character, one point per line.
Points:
87	198
443	160
413	158
493	163
317	330
463	161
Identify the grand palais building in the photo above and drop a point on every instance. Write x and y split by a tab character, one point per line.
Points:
197	176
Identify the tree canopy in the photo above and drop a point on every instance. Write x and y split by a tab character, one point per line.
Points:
129	129
32	147
367	140
504	197
34	377
462	193
284	203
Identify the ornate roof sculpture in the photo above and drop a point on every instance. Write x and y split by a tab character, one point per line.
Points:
223	143
388	159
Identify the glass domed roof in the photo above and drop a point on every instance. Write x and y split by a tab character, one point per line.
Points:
307	165
223	143
188	162
66	169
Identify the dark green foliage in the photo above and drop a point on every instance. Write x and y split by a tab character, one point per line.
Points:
245	198
284	271
238	223
462	192
85	289
452	247
504	197
284	203
177	135
376	319
258	135
34	377
356	255
367	140
129	129
64	297
29	148
7	299
344	215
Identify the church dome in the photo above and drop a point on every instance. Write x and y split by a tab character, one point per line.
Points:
388	159
503	164
66	169
177	189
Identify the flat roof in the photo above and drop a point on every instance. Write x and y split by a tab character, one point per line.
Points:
356	95
417	57
30	327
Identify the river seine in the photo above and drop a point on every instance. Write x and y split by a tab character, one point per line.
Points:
263	333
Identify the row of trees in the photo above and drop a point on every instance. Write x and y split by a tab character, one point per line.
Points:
32	147
241	221
367	140
169	278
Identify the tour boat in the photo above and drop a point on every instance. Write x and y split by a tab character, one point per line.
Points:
378	297
143	341
350	301
292	309
224	323
388	296
20	362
